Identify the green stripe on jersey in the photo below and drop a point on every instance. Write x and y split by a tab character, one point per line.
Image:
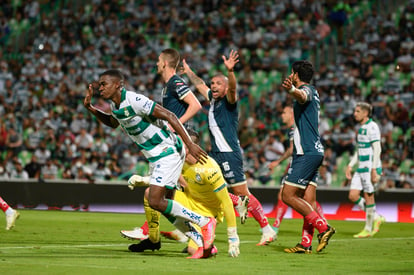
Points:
124	112
364	158
138	128
220	187
363	170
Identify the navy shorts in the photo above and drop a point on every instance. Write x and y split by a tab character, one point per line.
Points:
231	164
303	170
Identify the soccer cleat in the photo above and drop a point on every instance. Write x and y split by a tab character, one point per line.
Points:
208	232
136	234
11	219
202	253
175	235
145	245
324	238
300	249
241	207
363	234
377	224
267	238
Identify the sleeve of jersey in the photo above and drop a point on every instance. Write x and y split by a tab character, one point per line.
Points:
223	196
142	105
375	134
182	89
308	93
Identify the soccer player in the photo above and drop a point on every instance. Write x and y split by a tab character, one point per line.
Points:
176	95
145	123
205	192
178	98
299	190
281	207
368	157
223	121
11	214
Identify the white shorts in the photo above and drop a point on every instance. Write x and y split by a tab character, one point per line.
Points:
166	171
362	181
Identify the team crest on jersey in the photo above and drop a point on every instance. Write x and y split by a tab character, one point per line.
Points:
126	112
198	177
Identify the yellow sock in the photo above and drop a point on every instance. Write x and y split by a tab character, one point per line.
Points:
153	218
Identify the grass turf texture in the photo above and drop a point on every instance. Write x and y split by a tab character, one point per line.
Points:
55	242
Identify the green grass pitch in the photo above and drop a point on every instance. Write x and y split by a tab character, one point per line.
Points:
64	242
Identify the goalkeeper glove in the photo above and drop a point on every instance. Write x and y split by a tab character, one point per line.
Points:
137	180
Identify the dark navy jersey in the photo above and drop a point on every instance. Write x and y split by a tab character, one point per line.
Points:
306	138
173	94
223	122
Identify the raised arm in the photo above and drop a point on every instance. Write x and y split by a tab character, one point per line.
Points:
197	81
296	93
230	63
105	118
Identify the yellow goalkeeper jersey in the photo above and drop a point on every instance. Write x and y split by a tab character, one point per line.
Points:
206	192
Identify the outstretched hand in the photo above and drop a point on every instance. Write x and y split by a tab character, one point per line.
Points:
232	60
184	69
287	83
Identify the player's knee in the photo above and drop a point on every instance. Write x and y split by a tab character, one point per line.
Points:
353	197
155	203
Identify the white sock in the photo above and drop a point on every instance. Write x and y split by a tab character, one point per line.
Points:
9	211
267	229
178	210
369	220
189	230
361	203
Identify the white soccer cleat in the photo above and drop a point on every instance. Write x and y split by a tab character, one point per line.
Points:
11	219
267	238
137	180
135	234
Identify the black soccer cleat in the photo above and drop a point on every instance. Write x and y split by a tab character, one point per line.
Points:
145	245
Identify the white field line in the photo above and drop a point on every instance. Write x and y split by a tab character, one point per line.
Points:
171	243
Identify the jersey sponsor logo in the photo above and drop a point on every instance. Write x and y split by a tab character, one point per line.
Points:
319	146
229	174
179	83
212	175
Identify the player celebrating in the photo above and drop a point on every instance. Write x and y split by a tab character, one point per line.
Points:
145	123
180	100
367	155
11	214
205	192
223	120
299	190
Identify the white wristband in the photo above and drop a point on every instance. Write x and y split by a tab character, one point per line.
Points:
292	89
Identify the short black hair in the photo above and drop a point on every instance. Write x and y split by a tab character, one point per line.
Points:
305	70
114	73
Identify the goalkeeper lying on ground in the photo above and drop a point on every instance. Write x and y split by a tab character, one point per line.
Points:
205	191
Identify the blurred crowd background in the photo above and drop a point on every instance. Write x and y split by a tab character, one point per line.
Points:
51	49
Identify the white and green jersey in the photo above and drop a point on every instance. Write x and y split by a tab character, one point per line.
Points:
150	134
368	133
